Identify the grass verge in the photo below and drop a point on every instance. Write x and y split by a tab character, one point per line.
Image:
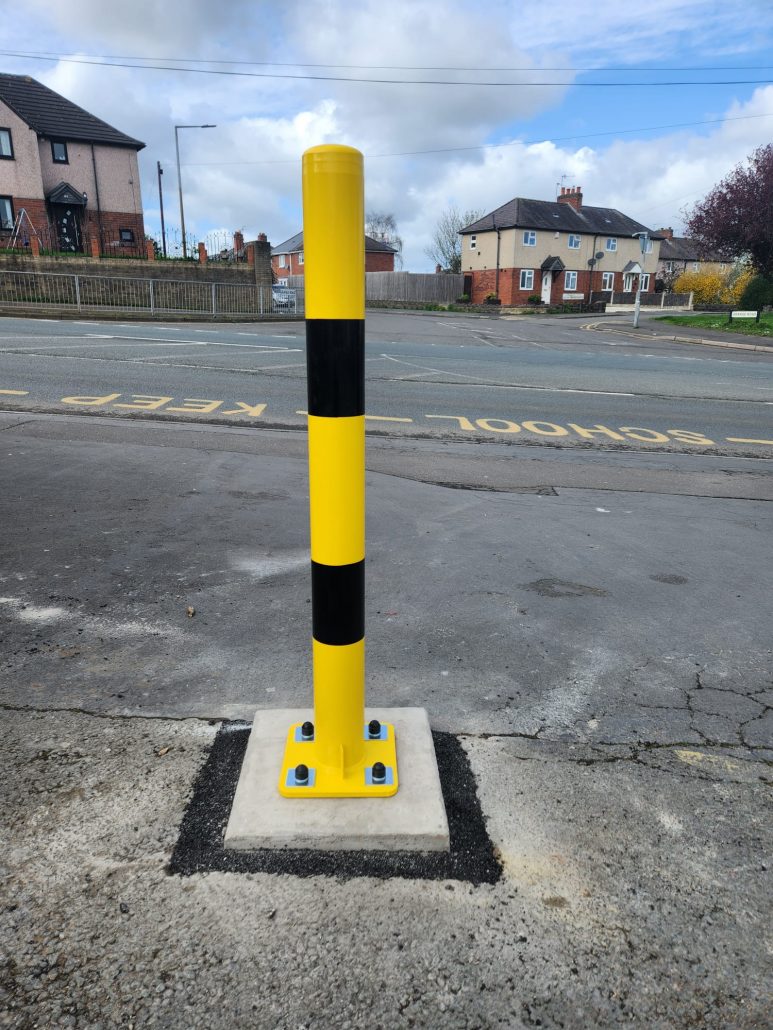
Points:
718	323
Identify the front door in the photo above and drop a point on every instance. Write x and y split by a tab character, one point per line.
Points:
547	283
68	227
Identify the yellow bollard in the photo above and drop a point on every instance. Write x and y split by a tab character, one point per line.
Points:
337	755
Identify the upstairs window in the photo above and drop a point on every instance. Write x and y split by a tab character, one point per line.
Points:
473	242
529	238
574	241
59	152
647	246
6	145
611	243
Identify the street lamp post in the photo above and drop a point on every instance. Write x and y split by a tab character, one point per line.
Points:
179	176
643	240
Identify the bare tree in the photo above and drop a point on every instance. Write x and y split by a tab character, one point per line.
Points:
382	226
446	248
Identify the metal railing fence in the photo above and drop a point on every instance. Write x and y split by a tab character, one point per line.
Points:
155	296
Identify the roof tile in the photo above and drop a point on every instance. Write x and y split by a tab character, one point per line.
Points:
52	115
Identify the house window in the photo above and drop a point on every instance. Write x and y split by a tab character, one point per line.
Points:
696	266
647	246
570	280
59	152
300	258
527	278
6	213
529	238
628	282
644	281
574	241
611	243
126	235
669	266
6	144
608	281
473	242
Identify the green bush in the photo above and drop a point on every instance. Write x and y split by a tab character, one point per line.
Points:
758	293
464	299
534	298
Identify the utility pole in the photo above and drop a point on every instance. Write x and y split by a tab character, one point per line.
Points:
161	206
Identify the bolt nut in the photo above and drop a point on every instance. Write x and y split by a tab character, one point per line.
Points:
307	731
374	729
301	774
378	772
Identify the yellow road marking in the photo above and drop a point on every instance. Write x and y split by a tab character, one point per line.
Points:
698	758
16	393
202	407
146	402
742	439
254	410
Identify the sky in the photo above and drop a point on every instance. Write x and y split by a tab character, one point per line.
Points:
645	106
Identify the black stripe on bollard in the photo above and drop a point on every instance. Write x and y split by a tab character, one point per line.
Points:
338	603
335	362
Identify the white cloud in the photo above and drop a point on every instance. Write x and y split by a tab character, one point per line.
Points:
246	173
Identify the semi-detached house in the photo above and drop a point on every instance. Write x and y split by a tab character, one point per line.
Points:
287	257
560	251
65	175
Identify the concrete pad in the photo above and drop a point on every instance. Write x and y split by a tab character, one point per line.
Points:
414	819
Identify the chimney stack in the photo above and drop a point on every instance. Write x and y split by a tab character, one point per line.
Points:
667	234
571	196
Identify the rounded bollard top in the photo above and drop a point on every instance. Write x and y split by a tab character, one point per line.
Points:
334	232
332	149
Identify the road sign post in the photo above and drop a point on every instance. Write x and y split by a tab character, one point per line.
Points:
337	755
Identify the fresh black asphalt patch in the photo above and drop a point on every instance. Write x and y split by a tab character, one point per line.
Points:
199	847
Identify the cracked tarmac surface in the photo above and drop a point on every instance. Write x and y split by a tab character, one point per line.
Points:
635	891
602	657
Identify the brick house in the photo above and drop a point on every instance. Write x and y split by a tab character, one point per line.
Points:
287	257
559	250
680	254
72	175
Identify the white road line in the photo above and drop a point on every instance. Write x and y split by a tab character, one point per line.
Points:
508	386
198	343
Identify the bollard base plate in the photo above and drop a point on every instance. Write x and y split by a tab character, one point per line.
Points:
413	820
325	781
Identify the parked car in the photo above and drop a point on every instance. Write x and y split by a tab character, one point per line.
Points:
283	297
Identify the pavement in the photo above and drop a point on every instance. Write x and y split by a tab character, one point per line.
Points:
596	665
